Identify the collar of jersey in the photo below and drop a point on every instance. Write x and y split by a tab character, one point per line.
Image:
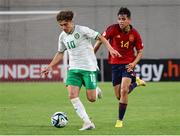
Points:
126	31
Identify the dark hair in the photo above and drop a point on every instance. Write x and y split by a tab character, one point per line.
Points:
124	11
65	15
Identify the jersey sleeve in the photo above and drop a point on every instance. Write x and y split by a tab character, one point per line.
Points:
61	46
89	32
107	33
139	44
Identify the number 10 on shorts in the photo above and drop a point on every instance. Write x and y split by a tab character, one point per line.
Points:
93	78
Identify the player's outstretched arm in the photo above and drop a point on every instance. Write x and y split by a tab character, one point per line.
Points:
57	58
113	52
97	45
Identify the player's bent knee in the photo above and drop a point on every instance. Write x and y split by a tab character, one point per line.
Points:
124	91
91	99
91	95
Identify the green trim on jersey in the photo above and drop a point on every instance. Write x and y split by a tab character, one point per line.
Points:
97	36
78	77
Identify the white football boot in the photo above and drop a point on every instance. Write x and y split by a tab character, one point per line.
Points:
87	126
99	92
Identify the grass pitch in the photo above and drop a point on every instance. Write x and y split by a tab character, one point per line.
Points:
26	108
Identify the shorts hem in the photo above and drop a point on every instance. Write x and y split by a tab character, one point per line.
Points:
90	88
73	85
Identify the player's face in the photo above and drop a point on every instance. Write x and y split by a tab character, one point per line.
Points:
66	26
123	21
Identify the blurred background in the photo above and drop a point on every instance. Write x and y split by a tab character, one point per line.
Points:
29	36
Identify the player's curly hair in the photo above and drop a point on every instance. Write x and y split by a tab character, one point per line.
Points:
65	15
124	11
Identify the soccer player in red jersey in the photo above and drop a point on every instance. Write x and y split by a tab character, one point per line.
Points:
127	41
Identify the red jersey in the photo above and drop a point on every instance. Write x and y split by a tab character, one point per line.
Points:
124	43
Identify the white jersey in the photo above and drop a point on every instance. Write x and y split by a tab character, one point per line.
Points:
79	47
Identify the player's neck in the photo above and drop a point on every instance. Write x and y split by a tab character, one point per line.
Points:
126	29
72	30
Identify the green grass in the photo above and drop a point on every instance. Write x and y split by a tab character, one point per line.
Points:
26	108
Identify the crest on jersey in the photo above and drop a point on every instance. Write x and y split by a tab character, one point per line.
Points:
76	36
131	37
118	36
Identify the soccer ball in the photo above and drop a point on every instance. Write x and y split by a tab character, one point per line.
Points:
59	119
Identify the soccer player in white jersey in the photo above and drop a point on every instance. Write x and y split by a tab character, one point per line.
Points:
82	62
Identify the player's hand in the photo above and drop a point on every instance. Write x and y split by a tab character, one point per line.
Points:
115	53
130	67
45	71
